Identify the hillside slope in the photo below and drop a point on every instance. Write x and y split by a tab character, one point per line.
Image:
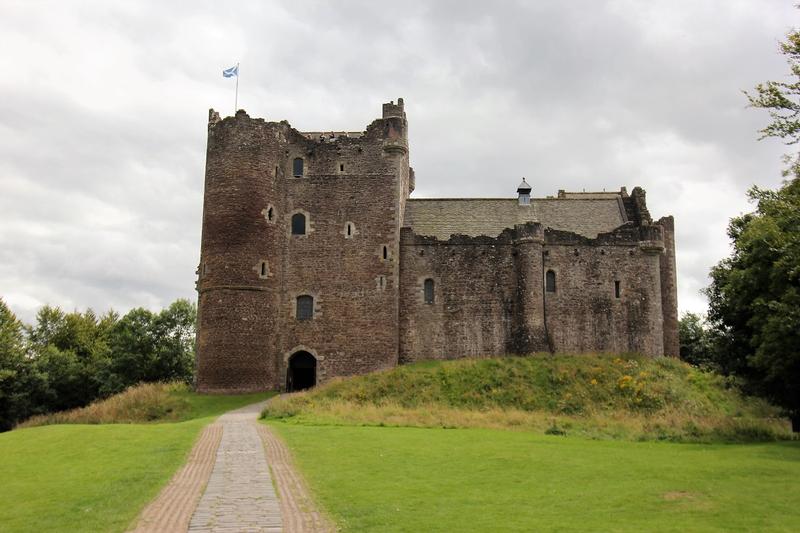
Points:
592	395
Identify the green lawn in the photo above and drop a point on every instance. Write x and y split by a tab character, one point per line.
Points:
93	478
411	479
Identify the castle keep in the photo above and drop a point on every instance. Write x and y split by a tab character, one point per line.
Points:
315	262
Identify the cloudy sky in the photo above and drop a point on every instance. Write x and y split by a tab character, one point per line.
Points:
103	111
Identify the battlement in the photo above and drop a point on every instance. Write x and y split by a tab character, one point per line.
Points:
331	136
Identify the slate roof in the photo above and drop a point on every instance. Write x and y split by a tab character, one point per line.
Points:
442	217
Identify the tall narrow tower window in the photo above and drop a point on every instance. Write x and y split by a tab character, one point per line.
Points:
616	289
263	268
428	290
385	253
550	281
305	307
297	167
298	224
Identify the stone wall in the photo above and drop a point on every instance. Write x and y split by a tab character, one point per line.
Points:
491	299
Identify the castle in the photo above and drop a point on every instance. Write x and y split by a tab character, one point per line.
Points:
315	263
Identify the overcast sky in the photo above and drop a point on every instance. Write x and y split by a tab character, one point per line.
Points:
104	106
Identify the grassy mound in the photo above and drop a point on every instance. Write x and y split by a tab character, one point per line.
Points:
147	402
592	395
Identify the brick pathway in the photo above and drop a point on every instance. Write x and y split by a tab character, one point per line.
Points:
240	459
239	496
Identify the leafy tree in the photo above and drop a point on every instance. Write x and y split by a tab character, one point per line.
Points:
19	381
70	350
754	297
696	341
152	347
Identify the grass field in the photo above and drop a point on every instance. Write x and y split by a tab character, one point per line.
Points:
96	478
411	479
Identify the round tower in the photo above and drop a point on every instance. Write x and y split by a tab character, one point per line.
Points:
238	296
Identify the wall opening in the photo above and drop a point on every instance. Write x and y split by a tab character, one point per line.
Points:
385	252
616	289
298	224
349	230
301	372
297	167
305	307
341	167
263	268
270	214
428	290
550	281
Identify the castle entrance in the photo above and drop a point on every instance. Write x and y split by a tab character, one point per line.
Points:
302	372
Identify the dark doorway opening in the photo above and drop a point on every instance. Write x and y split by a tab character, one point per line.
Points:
302	372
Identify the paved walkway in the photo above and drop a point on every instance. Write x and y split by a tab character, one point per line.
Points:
239	495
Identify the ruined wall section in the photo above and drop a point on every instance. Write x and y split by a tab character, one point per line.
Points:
669	288
584	313
491	298
354	283
238	296
475	292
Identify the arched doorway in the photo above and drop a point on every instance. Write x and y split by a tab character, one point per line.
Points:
301	372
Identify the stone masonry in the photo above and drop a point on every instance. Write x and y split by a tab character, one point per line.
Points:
315	263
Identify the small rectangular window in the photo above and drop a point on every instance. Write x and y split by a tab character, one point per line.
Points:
428	289
305	307
341	167
297	167
616	289
550	281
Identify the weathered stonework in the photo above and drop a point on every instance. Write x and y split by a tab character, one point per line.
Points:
367	250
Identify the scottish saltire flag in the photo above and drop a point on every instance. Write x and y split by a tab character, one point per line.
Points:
231	72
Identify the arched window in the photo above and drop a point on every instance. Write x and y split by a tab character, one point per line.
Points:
297	167
298	224
305	307
550	281
428	286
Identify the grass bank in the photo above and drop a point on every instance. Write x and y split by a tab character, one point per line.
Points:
78	477
148	402
596	396
410	479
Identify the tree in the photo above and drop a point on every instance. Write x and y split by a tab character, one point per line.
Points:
782	101
152	347
696	343
754	297
19	381
70	350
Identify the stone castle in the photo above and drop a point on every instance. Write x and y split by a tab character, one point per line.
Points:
315	263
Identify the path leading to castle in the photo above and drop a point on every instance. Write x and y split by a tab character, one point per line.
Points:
236	460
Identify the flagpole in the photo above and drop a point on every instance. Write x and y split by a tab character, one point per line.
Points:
236	100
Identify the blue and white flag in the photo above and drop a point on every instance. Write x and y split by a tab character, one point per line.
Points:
231	72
